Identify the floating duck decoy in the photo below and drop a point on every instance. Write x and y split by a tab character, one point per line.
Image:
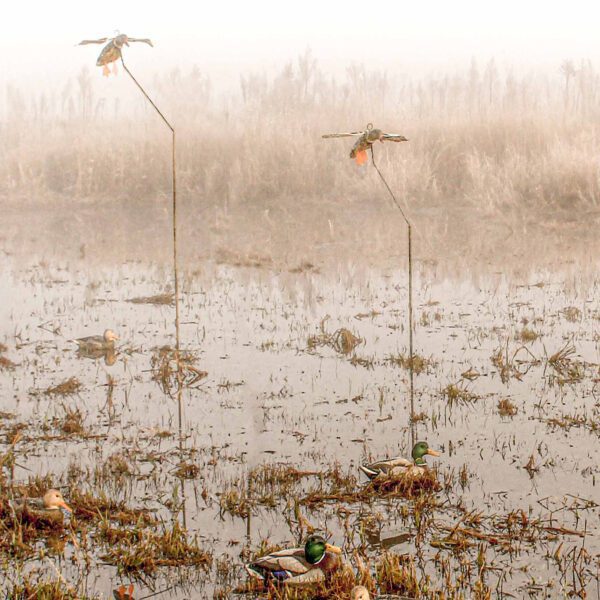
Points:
366	140
298	566
97	343
400	466
45	509
360	592
108	354
112	51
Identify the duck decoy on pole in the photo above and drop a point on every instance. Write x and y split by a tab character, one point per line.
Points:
365	140
112	51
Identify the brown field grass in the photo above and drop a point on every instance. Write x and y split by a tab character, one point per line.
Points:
478	138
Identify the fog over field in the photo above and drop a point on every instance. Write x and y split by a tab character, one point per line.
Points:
201	390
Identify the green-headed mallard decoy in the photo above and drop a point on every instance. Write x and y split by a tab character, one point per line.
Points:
360	592
97	343
112	51
401	466
45	509
366	140
298	566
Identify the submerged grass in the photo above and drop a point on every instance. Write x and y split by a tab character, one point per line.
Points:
66	388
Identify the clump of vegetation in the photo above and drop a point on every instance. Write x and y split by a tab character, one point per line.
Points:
565	368
72	423
185	470
66	388
118	465
6	364
527	335
171	370
455	394
506	408
237	259
405	485
419	363
39	588
167	299
397	574
146	551
88	507
572	314
304	267
342	340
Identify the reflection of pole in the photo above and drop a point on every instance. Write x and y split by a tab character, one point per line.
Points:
410	301
410	338
181	454
174	187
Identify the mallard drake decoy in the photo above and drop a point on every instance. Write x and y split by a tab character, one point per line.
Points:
360	592
45	509
298	566
401	466
112	51
92	343
366	140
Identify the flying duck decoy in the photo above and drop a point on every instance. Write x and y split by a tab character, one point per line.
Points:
366	139
112	51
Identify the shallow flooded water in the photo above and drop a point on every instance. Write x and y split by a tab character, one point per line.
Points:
506	386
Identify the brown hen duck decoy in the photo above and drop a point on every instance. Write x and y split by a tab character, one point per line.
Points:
45	510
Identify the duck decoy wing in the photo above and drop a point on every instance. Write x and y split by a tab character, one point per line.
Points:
341	135
385	466
398	461
100	41
89	340
313	576
393	137
291	560
144	40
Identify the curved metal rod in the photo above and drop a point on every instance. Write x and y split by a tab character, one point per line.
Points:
410	301
175	270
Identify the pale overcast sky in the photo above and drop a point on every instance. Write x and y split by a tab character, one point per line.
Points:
37	39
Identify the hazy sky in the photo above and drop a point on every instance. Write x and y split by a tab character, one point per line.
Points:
37	39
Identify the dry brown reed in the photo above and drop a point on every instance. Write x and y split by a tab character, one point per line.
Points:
484	138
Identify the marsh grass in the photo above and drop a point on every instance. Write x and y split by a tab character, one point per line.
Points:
476	137
44	588
147	550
